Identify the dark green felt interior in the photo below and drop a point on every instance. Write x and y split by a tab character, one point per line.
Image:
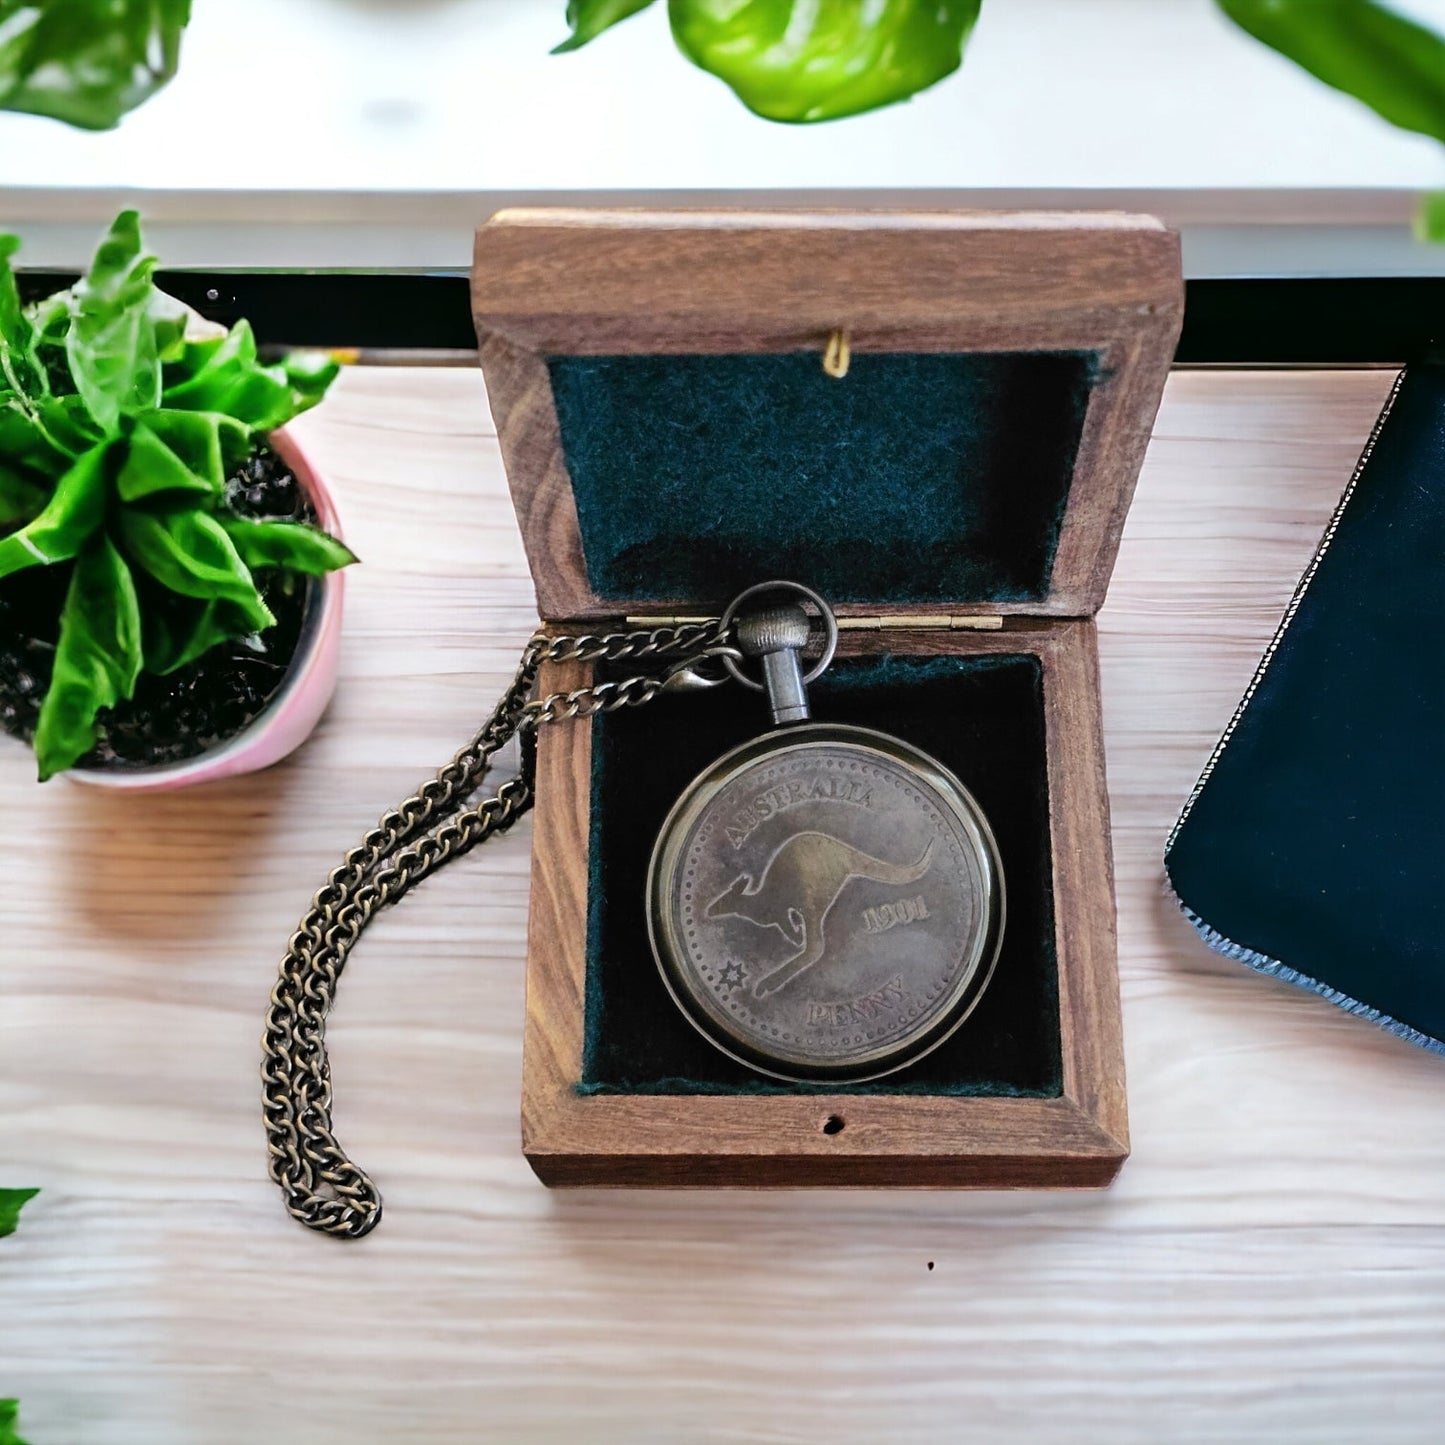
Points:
982	717
915	478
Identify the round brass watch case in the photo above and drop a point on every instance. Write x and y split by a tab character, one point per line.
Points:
826	903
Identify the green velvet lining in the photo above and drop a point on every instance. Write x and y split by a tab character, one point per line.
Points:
982	717
915	478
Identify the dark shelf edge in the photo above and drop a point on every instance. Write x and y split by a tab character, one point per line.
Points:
1259	321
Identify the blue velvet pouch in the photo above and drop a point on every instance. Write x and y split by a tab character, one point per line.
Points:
1313	847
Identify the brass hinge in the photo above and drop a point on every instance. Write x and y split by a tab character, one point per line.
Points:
899	622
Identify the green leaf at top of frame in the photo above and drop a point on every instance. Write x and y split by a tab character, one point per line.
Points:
9	1422
98	657
87	62
813	60
1392	64
111	346
589	18
12	1201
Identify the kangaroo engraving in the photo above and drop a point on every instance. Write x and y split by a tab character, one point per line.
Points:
796	892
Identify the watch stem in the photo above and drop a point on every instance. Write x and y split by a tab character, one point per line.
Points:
777	634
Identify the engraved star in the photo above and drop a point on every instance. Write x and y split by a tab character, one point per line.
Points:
730	975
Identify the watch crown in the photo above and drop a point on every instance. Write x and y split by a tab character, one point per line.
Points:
780	627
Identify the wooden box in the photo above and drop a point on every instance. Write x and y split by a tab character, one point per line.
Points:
670	436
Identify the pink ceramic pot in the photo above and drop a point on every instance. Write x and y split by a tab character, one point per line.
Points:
296	709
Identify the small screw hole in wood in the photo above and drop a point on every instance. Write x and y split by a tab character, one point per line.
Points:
833	1124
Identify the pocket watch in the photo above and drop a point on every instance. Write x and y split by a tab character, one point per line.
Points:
825	902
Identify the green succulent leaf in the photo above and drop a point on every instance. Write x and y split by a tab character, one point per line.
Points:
211	443
12	1201
309	375
87	62
589	18
50	317
212	363
179	634
169	317
9	1422
27	444
21	499
152	469
224	375
49	321
98	657
1395	66
111	346
20	435
291	545
811	60
190	553
67	426
18	373
265	399
179	451
72	514
196	356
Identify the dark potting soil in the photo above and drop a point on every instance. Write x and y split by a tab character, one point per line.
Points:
193	709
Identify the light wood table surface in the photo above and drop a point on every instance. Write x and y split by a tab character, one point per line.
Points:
1270	1266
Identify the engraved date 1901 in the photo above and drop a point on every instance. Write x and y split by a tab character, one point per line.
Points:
890	915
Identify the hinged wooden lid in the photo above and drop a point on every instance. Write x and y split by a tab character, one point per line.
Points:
670	434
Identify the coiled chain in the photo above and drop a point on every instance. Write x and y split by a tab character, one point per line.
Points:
322	1187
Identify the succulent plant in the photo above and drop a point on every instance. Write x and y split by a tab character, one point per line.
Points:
117	434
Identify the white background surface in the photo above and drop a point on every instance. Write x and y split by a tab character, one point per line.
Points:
462	94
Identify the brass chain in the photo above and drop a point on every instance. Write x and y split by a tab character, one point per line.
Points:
322	1187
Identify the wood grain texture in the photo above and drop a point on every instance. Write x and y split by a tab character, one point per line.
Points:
899	1140
579	283
1269	1266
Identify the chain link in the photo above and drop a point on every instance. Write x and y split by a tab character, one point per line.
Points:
322	1187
